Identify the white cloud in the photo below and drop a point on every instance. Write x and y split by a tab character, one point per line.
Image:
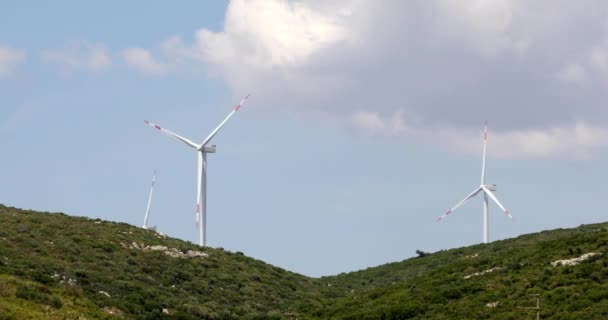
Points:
576	141
368	121
285	34
573	141
599	58
445	64
10	58
486	25
263	38
78	57
142	60
573	73
373	123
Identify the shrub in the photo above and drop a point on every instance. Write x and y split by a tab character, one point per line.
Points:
5	290
421	253
38	294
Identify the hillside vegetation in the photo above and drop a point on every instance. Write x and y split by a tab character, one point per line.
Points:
487	281
54	266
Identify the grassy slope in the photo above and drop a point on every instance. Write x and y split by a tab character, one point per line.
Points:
38	250
42	303
49	248
434	287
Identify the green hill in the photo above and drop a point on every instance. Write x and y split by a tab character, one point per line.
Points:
54	266
488	281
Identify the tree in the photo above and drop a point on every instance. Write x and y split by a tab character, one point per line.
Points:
421	253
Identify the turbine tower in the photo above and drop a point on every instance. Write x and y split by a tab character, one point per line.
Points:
487	192
145	226
201	149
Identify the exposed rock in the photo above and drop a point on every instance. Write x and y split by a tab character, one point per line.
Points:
113	311
192	254
482	272
64	279
104	293
574	261
492	304
172	252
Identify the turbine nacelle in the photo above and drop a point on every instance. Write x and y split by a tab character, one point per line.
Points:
207	149
491	187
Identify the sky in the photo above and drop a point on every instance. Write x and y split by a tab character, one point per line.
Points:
363	126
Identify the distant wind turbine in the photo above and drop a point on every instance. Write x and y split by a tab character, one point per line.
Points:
202	150
145	226
487	192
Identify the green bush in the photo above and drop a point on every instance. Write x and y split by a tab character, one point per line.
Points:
5	289
38	294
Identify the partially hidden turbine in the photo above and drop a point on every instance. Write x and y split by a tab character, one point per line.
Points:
487	192
202	149
145	226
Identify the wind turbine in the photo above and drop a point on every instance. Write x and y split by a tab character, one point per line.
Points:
486	189
145	226
201	149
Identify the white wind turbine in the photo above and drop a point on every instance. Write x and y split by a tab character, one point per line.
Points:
201	149
487	192
145	226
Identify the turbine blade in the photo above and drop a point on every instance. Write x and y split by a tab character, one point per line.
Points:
171	134
489	193
459	204
483	159
216	130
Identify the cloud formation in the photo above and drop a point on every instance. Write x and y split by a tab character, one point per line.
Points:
143	60
576	141
78	57
574	73
535	70
9	59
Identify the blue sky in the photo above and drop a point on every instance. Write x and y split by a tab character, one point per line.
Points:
363	126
